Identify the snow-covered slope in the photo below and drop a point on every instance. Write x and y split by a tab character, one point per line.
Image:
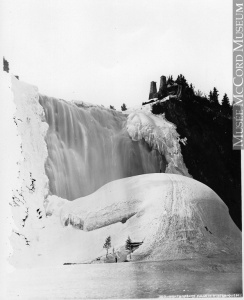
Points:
30	181
176	217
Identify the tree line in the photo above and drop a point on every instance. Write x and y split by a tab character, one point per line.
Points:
107	245
123	107
189	94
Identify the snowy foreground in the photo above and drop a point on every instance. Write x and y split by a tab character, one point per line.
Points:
210	276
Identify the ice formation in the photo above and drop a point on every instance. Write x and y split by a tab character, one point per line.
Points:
86	151
161	135
29	180
89	146
175	217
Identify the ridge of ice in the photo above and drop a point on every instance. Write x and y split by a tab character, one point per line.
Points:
161	135
169	212
83	104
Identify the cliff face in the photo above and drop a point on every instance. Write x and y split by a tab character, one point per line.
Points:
208	153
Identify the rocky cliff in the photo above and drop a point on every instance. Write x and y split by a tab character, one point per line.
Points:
208	153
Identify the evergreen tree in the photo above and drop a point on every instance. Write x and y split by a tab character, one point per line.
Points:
123	107
5	65
226	107
191	88
107	244
182	81
189	92
214	99
186	92
128	245
199	94
170	80
215	96
210	97
112	107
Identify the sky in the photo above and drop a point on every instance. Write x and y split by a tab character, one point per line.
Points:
108	51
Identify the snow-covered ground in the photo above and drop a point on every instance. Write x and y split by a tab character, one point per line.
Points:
211	276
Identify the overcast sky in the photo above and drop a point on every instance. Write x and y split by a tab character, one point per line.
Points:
108	51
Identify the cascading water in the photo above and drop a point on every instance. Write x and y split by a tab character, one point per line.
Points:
89	147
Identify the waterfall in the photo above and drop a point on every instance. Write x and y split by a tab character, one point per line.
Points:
89	146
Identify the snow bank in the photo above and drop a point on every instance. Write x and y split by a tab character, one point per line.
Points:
176	217
28	153
10	154
161	135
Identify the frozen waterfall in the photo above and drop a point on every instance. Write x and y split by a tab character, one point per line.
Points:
86	148
89	146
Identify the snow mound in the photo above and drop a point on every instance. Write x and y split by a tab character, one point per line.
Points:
161	135
175	216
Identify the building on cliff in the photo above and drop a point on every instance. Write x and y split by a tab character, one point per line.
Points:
173	90
153	90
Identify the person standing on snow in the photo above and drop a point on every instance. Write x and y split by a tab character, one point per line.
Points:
116	256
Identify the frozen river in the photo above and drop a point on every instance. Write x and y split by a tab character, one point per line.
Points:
127	280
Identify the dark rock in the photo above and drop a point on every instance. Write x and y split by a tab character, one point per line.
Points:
208	153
